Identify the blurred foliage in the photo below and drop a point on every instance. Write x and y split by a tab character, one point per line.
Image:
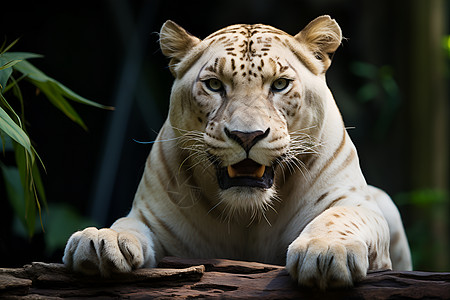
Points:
422	199
61	221
379	86
425	207
446	45
23	183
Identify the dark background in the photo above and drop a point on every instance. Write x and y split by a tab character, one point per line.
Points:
108	52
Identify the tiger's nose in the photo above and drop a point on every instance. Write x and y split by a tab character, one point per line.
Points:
247	139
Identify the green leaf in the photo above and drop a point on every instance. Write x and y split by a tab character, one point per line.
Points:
58	101
5	104
4	76
20	55
8	126
30	212
26	193
31	71
24	163
35	74
75	97
56	91
13	83
18	93
9	64
38	183
3	50
9	60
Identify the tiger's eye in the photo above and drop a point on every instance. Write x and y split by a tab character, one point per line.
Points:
214	84
280	84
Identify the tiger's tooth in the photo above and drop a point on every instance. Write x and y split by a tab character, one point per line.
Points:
260	171
231	172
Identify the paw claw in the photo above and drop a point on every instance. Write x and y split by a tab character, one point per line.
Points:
103	251
315	262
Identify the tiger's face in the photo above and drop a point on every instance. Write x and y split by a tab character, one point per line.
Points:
249	101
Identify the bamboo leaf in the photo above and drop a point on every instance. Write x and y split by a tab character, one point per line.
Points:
6	105
58	100
35	74
9	64
30	212
9	60
66	92
8	126
31	71
56	91
2	51
38	183
13	83
4	76
20	55
2	46
18	93
24	164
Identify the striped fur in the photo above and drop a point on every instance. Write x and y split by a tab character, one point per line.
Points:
319	210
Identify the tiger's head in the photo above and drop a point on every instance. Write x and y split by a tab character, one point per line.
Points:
249	103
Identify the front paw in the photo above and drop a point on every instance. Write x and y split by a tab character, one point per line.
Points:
103	251
326	262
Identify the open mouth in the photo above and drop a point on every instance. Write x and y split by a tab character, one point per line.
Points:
245	173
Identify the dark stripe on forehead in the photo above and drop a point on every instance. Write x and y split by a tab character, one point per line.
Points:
247	32
221	65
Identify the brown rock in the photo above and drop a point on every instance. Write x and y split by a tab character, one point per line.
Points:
210	278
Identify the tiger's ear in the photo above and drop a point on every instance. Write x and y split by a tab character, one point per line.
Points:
175	43
323	36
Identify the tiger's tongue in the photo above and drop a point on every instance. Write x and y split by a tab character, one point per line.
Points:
247	167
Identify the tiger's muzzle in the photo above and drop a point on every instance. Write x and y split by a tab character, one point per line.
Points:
247	172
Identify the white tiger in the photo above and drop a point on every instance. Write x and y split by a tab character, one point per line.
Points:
252	163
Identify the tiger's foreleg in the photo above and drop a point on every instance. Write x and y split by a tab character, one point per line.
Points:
338	247
127	245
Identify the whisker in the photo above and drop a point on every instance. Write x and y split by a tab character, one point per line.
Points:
301	143
214	207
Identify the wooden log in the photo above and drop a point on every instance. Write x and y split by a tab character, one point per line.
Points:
210	278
